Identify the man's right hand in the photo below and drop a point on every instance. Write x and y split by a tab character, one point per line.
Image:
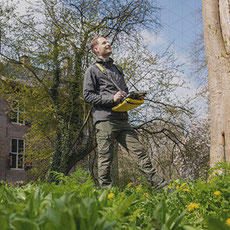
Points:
117	97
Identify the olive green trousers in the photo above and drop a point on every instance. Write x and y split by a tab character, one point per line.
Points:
121	131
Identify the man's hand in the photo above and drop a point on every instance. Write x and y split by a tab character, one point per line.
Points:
117	97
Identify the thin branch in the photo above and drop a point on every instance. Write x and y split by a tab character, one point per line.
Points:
160	119
168	105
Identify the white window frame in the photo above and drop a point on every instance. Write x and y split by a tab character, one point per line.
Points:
17	153
18	113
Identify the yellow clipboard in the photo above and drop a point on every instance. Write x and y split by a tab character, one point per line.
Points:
127	104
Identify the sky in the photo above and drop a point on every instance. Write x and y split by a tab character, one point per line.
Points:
181	25
181	22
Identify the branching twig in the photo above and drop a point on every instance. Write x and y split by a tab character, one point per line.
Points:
168	105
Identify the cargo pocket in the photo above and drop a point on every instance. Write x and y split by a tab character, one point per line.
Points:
105	142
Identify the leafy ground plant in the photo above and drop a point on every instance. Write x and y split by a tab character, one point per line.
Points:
75	203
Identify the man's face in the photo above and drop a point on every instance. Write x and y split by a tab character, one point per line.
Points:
103	48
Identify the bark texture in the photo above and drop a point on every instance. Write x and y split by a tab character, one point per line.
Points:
216	20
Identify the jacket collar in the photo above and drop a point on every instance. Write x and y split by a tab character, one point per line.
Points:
107	62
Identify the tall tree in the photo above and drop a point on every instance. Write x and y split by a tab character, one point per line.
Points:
216	18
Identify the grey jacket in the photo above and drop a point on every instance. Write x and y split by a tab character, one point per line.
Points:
99	90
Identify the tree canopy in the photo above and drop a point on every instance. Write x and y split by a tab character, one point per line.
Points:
46	51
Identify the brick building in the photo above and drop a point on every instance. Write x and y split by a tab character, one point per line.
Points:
12	142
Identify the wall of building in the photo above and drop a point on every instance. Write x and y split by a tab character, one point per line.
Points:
9	131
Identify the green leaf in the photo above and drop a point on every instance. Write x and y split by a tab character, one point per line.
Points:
50	216
50	226
109	226
214	224
22	223
66	221
172	218
188	227
33	204
160	212
103	196
165	227
178	220
4	223
126	203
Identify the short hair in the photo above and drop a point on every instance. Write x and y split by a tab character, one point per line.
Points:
94	42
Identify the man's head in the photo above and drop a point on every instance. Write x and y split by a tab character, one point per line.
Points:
101	47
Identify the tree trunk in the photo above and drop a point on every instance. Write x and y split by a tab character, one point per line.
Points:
216	35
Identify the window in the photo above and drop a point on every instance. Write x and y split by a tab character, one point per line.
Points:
17	150
16	113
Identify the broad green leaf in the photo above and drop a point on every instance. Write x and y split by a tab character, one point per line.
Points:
22	223
66	221
178	220
172	218
165	227
214	224
160	212
3	223
51	215
50	226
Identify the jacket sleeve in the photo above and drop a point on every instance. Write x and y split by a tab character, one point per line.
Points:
91	91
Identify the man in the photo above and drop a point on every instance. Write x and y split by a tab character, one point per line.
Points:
100	91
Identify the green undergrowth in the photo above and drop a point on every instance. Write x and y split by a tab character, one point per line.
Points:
75	203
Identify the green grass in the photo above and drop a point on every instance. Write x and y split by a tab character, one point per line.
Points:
75	203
